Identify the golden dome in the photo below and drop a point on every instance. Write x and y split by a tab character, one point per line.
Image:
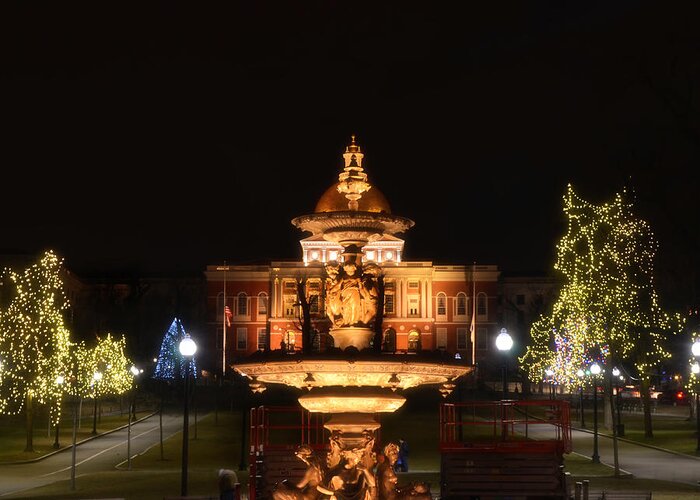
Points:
334	201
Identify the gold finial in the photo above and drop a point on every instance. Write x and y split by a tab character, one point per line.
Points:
353	147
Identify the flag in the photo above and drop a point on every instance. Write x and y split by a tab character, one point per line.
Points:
228	314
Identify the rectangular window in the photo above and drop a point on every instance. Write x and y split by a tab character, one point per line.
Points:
441	305
412	284
262	338
313	303
289	301
241	339
389	303
441	338
413	307
482	339
520	299
461	338
461	305
242	304
262	305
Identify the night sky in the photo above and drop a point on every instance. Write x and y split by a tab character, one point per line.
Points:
159	138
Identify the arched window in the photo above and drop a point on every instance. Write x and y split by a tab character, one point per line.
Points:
461	306
389	340
262	304
481	304
242	304
414	341
441	306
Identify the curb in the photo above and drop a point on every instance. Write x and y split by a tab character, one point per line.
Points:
64	448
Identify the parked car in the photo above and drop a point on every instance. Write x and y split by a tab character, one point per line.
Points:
632	392
674	397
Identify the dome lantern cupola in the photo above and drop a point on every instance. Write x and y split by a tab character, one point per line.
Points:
352	181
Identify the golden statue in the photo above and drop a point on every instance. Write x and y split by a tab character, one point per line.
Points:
351	293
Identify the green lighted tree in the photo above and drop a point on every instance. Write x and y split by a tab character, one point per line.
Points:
607	307
34	342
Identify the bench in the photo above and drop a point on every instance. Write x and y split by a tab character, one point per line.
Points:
625	495
503	475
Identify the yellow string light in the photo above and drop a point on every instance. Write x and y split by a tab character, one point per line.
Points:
608	301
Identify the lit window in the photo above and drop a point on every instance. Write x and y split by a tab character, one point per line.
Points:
441	304
481	304
314	255
241	339
389	255
262	338
332	255
242	304
370	254
441	338
461	338
461	304
389	303
414	341
262	304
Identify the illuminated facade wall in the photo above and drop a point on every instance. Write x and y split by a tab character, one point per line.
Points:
427	307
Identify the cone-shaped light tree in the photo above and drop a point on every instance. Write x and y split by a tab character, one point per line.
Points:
34	342
607	309
169	365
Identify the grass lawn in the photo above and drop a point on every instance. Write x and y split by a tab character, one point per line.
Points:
672	429
216	447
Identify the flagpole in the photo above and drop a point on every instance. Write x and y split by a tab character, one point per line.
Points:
223	317
473	326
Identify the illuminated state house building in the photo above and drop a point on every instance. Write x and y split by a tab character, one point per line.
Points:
426	306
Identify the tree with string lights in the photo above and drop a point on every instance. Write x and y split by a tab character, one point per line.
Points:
34	341
607	308
109	358
168	364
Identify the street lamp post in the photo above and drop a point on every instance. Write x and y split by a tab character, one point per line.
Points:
580	374
75	433
595	371
695	349
59	382
618	401
96	377
550	376
134	371
504	343
187	349
696	370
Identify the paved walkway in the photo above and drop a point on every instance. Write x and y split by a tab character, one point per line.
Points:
640	460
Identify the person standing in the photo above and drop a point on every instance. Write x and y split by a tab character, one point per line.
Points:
402	462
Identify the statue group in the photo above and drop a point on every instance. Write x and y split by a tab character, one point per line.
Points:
350	475
351	291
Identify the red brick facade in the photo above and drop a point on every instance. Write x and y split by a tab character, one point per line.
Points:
426	307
